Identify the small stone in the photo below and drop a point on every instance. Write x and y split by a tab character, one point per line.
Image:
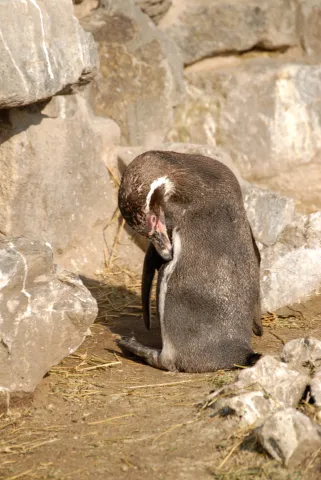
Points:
302	354
252	408
276	379
268	386
290	437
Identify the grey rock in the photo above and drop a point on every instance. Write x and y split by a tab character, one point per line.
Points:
45	313
316	389
155	9
291	268
290	437
268	386
127	154
270	126
46	52
251	408
302	354
55	186
204	28
276	379
268	213
141	72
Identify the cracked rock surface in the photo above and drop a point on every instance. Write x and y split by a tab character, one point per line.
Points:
43	51
45	313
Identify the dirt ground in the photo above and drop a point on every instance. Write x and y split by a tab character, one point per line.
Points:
99	415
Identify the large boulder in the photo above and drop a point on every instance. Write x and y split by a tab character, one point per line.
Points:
141	72
43	51
55	185
265	113
291	268
204	28
268	213
45	313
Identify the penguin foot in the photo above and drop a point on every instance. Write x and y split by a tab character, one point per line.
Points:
150	355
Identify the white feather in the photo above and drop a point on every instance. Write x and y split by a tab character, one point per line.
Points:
156	184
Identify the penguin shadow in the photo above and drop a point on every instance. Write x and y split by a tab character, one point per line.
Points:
124	324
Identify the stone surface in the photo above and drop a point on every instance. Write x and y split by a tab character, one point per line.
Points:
204	28
291	268
141	72
316	389
290	437
302	354
55	186
43	51
127	154
276	379
268	386
270	126
310	25
44	313
155	9
82	8
251	408
268	213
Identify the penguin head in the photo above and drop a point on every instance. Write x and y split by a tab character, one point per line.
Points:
142	198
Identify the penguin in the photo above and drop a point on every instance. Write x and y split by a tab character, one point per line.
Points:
191	209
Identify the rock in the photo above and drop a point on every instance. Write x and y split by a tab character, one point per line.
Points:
141	72
316	389
260	390
302	354
82	8
55	185
45	313
207	28
310	26
155	9
290	437
47	51
268	213
270	126
291	268
127	154
251	408
284	385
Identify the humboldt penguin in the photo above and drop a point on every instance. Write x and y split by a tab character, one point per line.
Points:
191	209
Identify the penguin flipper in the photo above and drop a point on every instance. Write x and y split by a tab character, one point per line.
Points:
152	262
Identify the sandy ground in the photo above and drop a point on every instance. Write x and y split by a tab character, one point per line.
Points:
99	415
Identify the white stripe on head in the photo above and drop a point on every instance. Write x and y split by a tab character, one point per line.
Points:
169	187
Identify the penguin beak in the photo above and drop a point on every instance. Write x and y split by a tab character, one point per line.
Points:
161	241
